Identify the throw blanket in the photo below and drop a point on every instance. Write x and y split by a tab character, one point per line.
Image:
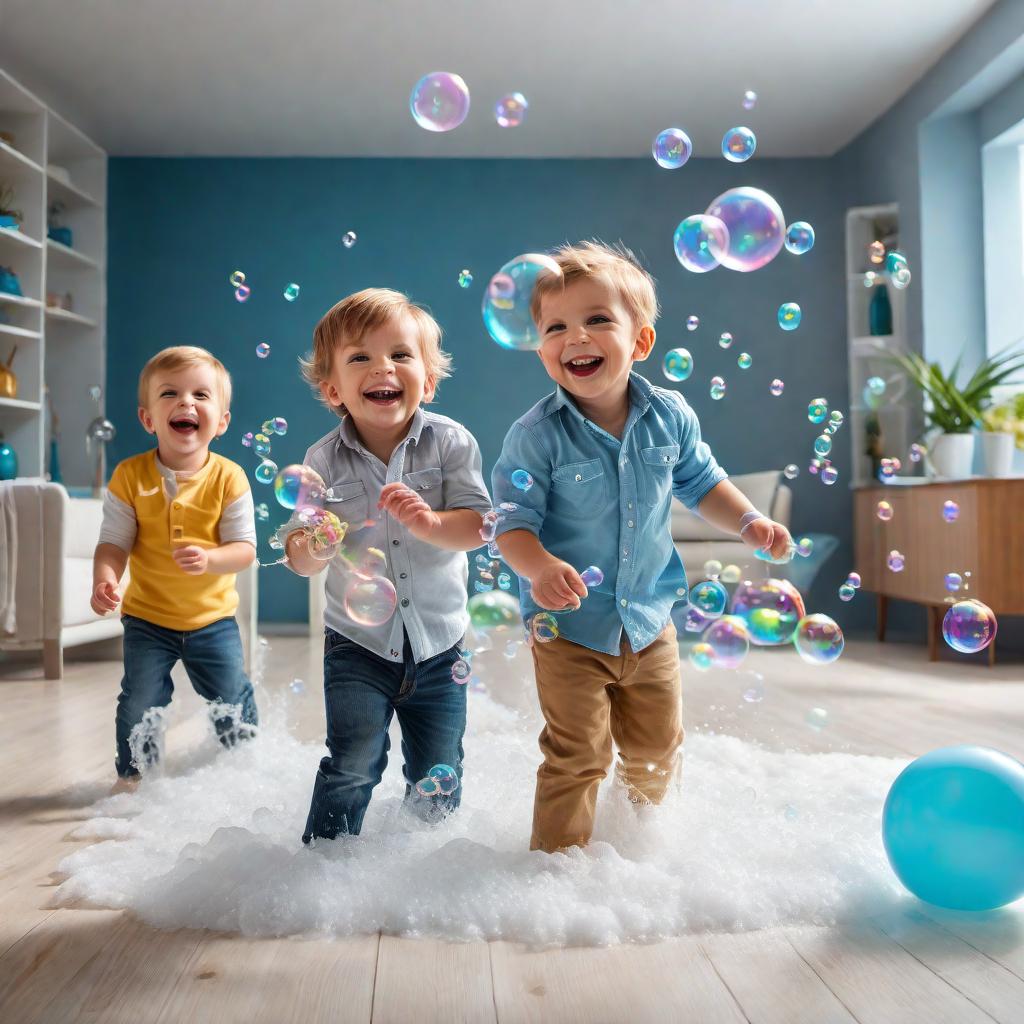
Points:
8	557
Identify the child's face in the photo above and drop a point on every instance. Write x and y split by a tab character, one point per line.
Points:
381	377
588	339
184	409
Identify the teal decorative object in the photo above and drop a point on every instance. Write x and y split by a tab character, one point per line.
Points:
880	313
8	460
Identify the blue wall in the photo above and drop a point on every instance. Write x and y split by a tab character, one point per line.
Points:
177	228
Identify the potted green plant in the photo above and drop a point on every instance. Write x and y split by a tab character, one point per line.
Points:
1004	430
955	411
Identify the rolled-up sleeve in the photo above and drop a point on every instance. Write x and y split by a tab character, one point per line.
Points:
696	471
119	523
238	521
521	450
462	475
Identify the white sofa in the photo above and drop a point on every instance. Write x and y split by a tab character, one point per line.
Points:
56	538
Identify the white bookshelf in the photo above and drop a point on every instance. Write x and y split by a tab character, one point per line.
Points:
868	354
59	350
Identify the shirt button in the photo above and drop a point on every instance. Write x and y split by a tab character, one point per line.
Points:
579	477
629	523
402	575
681	591
623	602
405	602
629	505
395	542
177	505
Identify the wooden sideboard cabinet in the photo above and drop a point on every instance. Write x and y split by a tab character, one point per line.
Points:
986	540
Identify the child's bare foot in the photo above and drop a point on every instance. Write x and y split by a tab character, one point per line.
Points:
125	784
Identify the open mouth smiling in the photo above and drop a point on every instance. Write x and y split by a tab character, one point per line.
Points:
584	366
383	396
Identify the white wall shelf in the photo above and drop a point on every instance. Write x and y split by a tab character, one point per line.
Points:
59	177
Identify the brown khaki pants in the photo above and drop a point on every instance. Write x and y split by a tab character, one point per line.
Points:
588	699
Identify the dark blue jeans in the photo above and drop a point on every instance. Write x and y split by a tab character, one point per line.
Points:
362	692
213	659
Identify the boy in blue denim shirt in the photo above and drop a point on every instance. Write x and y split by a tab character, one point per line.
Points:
607	451
376	356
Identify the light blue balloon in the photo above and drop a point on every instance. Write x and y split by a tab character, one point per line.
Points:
953	828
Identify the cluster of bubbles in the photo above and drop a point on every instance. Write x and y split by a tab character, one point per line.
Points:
441	780
439	102
848	589
507	298
717	389
242	290
820	464
260	443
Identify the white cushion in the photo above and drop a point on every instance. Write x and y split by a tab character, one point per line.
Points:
759	488
83	519
76	587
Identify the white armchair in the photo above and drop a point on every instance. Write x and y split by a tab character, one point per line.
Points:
56	537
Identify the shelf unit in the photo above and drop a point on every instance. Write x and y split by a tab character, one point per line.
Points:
61	352
869	355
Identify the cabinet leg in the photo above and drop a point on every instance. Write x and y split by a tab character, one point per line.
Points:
53	659
881	615
934	626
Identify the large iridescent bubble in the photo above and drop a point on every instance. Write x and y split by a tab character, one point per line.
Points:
969	626
493	608
370	602
771	609
818	639
439	101
709	598
755	224
700	241
672	148
299	485
729	638
506	306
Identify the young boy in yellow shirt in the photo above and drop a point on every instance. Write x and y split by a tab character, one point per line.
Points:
182	518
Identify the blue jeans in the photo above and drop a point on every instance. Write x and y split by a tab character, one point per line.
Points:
212	657
362	692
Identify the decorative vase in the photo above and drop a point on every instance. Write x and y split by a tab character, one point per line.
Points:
880	313
997	453
952	455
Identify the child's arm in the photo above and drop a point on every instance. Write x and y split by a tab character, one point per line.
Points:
728	508
456	529
553	583
224	560
108	565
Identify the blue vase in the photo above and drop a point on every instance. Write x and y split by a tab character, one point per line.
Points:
880	313
8	461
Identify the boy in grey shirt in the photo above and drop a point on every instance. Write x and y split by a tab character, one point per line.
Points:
409	485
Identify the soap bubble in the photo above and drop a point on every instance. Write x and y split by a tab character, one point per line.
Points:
261	445
884	511
544	627
754	692
692	323
242	292
776	387
262	350
870	279
743	360
489	526
699	242
493	609
446	777
349	239
816	718
709	598
876	385
428	788
817	410
789	316
835	418
291	292
754	227
702	656
717	390
822	444
969	626
791	472
678	364
854	579
953	581
799	237
299	485
247	439
895	561
771	608
265	471
876	252
279	425
671	148
439	101
897	269
237	279
731	574
738	145
804	547
847	591
461	671
370	602
729	639
506	304
712	568
297	686
521	479
749	99
818	639
724	339
917	452
592	577
504	580
510	110
465	278
950	511
829	475
324	530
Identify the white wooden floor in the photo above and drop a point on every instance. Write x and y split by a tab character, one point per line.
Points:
67	965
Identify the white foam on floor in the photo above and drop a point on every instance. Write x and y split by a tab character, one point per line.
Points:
749	838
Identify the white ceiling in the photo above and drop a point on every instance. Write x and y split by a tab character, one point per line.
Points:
332	77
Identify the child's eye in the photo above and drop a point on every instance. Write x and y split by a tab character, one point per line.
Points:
558	326
599	318
167	394
356	358
202	394
402	355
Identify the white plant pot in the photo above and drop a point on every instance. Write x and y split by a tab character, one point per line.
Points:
997	454
952	455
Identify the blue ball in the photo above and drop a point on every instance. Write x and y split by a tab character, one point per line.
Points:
953	828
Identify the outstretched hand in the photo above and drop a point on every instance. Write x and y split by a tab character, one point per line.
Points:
408	507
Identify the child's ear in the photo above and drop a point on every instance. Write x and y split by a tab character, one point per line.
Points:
644	343
429	388
146	420
223	425
330	393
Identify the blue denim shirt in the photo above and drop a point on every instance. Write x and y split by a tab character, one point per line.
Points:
596	500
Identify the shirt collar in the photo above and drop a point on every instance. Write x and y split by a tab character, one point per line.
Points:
348	437
640	390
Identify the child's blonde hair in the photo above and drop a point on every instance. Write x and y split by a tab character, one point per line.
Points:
359	313
616	264
177	357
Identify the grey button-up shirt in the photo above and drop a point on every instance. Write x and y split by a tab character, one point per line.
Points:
440	459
